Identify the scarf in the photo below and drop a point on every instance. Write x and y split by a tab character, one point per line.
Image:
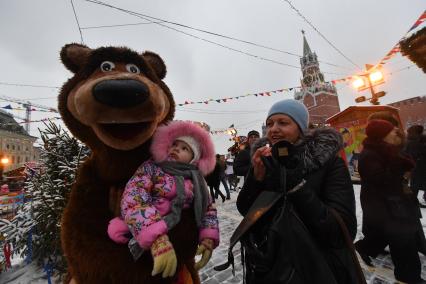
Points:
180	171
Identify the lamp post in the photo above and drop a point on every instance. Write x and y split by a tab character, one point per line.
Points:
373	77
232	132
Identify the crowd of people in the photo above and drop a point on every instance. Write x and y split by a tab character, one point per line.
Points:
392	167
297	200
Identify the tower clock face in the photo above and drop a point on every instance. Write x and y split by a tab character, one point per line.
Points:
308	79
311	71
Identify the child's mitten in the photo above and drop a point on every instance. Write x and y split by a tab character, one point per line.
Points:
164	257
205	249
118	231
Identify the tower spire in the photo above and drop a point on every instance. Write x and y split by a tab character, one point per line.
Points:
306	48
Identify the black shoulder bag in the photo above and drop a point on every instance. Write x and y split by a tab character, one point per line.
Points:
276	246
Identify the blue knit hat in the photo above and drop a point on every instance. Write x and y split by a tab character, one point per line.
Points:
294	109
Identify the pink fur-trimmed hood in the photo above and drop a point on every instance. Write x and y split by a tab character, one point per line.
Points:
165	135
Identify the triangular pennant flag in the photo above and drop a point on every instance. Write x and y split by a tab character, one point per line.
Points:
268	94
224	100
290	89
7	107
218	101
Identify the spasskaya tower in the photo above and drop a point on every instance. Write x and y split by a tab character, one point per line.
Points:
318	96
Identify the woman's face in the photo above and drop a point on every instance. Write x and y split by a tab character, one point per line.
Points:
393	137
281	127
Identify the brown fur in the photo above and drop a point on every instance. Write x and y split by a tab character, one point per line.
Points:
92	257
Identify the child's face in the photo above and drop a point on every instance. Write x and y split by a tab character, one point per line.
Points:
181	152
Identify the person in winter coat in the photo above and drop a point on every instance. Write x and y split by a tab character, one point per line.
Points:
223	178
242	160
213	181
326	185
229	173
165	189
390	211
416	149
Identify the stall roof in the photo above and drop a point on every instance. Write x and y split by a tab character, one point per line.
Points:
358	112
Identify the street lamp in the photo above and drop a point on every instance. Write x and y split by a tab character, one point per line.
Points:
3	163
371	78
233	132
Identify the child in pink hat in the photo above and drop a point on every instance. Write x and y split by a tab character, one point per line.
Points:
161	189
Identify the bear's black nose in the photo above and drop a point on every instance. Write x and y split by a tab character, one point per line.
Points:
121	93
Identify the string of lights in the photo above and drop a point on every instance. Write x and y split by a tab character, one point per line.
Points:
54	87
220	113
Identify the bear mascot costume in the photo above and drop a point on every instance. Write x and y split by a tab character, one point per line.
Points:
114	102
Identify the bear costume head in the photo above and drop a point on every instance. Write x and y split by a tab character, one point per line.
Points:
114	103
115	100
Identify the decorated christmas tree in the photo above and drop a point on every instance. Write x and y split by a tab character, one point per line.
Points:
35	230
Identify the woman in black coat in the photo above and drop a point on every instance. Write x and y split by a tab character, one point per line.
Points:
315	159
390	210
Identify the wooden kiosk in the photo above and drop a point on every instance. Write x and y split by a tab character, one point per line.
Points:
351	123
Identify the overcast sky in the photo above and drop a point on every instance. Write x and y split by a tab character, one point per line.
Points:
33	32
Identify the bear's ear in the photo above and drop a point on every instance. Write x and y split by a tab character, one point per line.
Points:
156	63
74	56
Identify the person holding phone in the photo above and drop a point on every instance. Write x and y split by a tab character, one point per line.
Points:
316	181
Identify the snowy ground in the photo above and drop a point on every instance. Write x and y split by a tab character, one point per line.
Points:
229	219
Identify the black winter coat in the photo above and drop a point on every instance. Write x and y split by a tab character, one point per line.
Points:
328	186
385	206
416	149
213	179
242	162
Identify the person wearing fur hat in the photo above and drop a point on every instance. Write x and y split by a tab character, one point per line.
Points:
390	211
316	182
160	191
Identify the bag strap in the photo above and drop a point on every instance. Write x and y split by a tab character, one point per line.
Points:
260	206
350	244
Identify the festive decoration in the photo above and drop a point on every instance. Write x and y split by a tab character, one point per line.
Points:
228	99
394	50
414	48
